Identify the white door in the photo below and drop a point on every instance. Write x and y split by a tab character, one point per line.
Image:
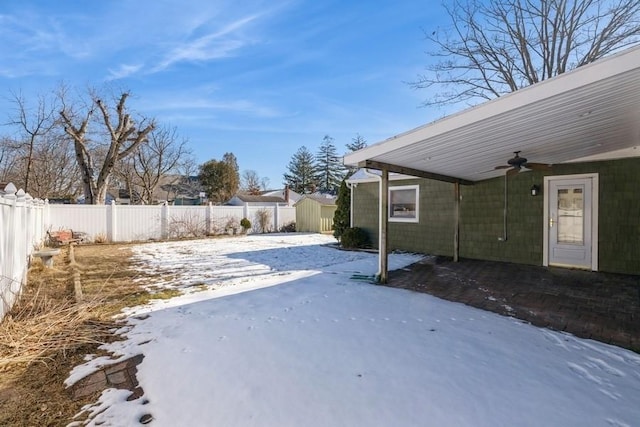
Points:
570	222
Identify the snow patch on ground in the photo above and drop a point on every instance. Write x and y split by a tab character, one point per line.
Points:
283	336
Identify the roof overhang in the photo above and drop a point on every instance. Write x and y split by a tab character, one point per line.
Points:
590	113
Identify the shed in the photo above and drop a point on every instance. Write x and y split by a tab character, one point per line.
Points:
315	214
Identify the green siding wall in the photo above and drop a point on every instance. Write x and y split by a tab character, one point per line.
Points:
482	230
433	234
481	216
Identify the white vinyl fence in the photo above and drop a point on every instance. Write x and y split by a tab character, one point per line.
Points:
22	231
25	221
126	223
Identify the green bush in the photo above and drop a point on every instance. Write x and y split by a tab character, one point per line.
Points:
245	223
341	218
354	238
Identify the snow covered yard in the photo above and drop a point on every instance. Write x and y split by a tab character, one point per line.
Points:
278	334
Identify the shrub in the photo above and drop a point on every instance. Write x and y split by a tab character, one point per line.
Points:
232	224
288	228
263	218
354	238
245	224
341	218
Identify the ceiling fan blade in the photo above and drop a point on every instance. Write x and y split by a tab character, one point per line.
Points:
513	171
502	167
537	166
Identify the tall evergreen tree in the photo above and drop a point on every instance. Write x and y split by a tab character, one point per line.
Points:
221	179
302	176
329	166
357	143
342	215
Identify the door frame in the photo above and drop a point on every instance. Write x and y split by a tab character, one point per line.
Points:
594	215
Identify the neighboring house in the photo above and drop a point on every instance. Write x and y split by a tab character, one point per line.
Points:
315	214
180	190
464	193
290	196
251	200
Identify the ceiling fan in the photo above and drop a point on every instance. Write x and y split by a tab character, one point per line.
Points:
516	163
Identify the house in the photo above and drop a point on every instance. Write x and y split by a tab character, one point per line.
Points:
315	214
285	193
284	197
241	199
548	175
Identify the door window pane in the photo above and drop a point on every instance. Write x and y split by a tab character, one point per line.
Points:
570	216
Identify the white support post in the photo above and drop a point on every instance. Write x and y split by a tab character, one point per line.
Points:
276	218
383	251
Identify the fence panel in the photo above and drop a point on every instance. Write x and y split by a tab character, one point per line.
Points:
187	221
286	216
21	231
125	223
137	222
90	219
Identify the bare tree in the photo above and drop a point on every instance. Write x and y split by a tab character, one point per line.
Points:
499	46
118	139
9	160
34	124
250	182
55	174
143	170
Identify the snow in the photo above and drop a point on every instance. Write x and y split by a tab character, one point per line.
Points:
273	331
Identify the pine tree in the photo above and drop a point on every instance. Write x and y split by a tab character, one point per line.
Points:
329	165
302	176
357	143
342	215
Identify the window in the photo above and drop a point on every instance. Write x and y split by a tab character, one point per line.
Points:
404	203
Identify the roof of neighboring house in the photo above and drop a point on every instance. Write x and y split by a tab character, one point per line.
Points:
266	199
323	200
280	193
587	114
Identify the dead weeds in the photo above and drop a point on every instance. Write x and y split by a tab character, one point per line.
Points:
48	333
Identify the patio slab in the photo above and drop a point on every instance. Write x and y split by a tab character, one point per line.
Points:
600	306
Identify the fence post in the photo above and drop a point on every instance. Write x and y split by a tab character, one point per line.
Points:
245	211
21	252
46	217
28	222
209	219
164	221
6	292
112	222
276	217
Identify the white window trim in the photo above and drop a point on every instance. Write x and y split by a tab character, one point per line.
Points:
405	187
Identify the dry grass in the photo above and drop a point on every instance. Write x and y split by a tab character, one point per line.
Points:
48	333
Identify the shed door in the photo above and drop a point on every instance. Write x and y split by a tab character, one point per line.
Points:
570	219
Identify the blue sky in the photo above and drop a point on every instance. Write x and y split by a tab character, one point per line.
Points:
259	79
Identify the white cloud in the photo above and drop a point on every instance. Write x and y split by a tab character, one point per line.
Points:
124	70
219	44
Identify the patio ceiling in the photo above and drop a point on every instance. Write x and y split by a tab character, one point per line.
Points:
590	113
